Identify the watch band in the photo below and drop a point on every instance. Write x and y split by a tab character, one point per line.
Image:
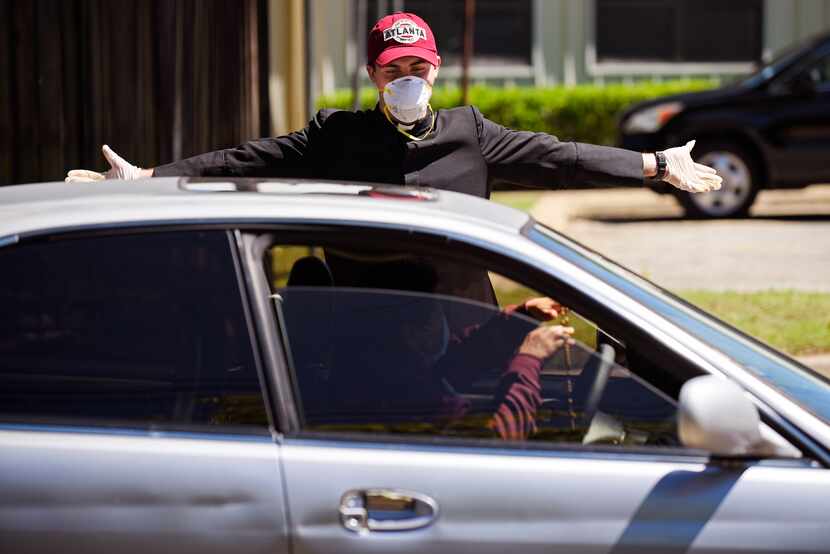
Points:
661	165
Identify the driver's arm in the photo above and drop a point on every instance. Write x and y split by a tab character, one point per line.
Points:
493	343
519	395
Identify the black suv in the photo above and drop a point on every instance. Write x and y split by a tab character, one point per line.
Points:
771	130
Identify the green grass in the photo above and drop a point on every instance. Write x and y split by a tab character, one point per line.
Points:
793	321
521	200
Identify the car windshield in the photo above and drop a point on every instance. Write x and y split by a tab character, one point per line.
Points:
781	61
809	389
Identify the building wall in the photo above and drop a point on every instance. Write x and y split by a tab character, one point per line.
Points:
334	54
570	54
330	49
563	46
786	22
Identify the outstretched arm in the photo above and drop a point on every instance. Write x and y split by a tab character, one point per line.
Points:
543	161
266	157
284	156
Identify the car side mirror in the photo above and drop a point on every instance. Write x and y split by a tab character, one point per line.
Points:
716	415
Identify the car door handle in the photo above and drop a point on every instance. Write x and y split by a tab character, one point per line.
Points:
367	510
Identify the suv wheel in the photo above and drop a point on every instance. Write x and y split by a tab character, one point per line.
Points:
741	182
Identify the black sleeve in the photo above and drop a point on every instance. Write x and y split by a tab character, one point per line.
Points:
285	156
541	160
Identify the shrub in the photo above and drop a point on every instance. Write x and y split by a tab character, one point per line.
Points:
587	113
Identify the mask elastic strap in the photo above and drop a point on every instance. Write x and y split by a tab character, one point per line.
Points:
404	133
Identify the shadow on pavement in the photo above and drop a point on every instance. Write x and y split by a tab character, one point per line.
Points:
817	218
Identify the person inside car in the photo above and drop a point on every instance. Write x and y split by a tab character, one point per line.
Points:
400	363
412	377
516	399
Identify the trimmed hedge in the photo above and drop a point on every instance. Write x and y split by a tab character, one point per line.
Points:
587	113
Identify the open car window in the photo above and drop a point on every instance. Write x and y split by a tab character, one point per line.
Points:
422	346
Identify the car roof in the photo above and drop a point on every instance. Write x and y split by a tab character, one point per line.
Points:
49	207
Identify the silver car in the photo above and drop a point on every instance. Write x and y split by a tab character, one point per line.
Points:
278	366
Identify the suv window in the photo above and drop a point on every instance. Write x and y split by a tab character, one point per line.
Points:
820	73
405	346
144	330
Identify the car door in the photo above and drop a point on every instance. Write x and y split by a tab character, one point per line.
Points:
799	124
131	413
386	458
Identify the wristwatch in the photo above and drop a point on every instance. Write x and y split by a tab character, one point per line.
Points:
661	165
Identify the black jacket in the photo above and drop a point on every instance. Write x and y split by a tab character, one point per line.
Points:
464	152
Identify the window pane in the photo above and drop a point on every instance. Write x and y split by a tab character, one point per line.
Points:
593	400
376	360
679	30
385	342
626	30
820	72
709	30
503	29
136	330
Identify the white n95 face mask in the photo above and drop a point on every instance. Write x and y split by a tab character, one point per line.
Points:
407	99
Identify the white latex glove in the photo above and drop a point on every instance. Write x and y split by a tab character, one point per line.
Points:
119	169
684	173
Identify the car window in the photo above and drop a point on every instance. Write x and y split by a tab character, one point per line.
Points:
400	344
776	66
144	330
820	73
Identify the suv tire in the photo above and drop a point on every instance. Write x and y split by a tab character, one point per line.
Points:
741	175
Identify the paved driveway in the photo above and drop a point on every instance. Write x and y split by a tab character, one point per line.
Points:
785	245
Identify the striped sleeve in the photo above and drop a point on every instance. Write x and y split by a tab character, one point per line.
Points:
518	399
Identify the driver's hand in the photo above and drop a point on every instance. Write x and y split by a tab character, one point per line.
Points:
542	342
119	169
686	174
542	308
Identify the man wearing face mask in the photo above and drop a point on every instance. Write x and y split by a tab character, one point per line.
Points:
403	141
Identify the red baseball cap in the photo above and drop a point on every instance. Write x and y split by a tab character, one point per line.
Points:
399	35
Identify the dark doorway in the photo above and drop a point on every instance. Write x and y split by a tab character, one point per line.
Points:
157	80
